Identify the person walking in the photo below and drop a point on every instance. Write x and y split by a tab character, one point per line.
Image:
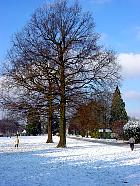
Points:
17	142
132	142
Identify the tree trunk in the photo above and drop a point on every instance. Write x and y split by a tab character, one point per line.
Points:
49	140
50	117
62	141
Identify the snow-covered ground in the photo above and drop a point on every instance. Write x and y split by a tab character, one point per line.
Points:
82	163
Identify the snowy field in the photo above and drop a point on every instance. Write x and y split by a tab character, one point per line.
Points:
82	163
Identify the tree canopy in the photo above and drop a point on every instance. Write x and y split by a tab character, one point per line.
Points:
57	54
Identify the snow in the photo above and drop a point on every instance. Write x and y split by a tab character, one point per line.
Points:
82	163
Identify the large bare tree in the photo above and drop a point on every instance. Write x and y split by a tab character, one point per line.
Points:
60	47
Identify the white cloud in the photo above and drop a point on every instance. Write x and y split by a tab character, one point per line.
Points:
132	100
134	113
130	63
132	94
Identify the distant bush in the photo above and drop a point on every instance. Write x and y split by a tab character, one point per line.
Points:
135	132
132	128
94	134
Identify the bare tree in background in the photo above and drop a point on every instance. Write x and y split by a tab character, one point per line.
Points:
59	45
18	102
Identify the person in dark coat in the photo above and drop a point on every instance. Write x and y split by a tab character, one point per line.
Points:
132	142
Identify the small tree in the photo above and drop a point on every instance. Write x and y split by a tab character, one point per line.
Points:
33	122
88	117
118	113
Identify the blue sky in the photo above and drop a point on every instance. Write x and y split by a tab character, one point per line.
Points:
118	22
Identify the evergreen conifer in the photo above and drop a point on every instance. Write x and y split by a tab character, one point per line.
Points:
118	113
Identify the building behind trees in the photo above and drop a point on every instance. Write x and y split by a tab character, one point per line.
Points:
10	128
